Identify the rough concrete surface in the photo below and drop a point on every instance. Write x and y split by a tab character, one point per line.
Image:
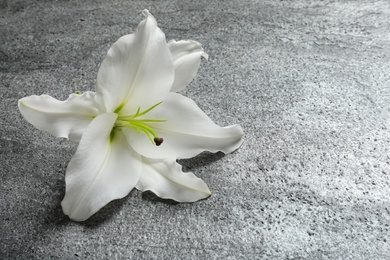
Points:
308	81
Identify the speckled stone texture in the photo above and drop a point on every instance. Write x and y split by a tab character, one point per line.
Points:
309	81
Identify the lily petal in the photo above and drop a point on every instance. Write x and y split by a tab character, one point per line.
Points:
67	118
103	168
187	131
138	67
186	59
165	178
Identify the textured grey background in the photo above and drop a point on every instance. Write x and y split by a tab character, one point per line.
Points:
309	82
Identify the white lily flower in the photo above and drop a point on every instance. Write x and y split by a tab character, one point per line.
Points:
132	130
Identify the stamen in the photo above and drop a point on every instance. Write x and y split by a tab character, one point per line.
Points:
147	110
141	124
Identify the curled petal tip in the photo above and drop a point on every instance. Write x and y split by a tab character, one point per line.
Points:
146	12
186	58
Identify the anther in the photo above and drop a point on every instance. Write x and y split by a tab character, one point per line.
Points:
158	140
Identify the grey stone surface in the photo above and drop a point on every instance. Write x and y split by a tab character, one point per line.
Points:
309	82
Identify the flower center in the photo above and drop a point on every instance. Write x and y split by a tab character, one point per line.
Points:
141	124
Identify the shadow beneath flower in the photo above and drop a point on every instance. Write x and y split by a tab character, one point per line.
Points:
202	159
105	214
150	196
56	217
53	215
